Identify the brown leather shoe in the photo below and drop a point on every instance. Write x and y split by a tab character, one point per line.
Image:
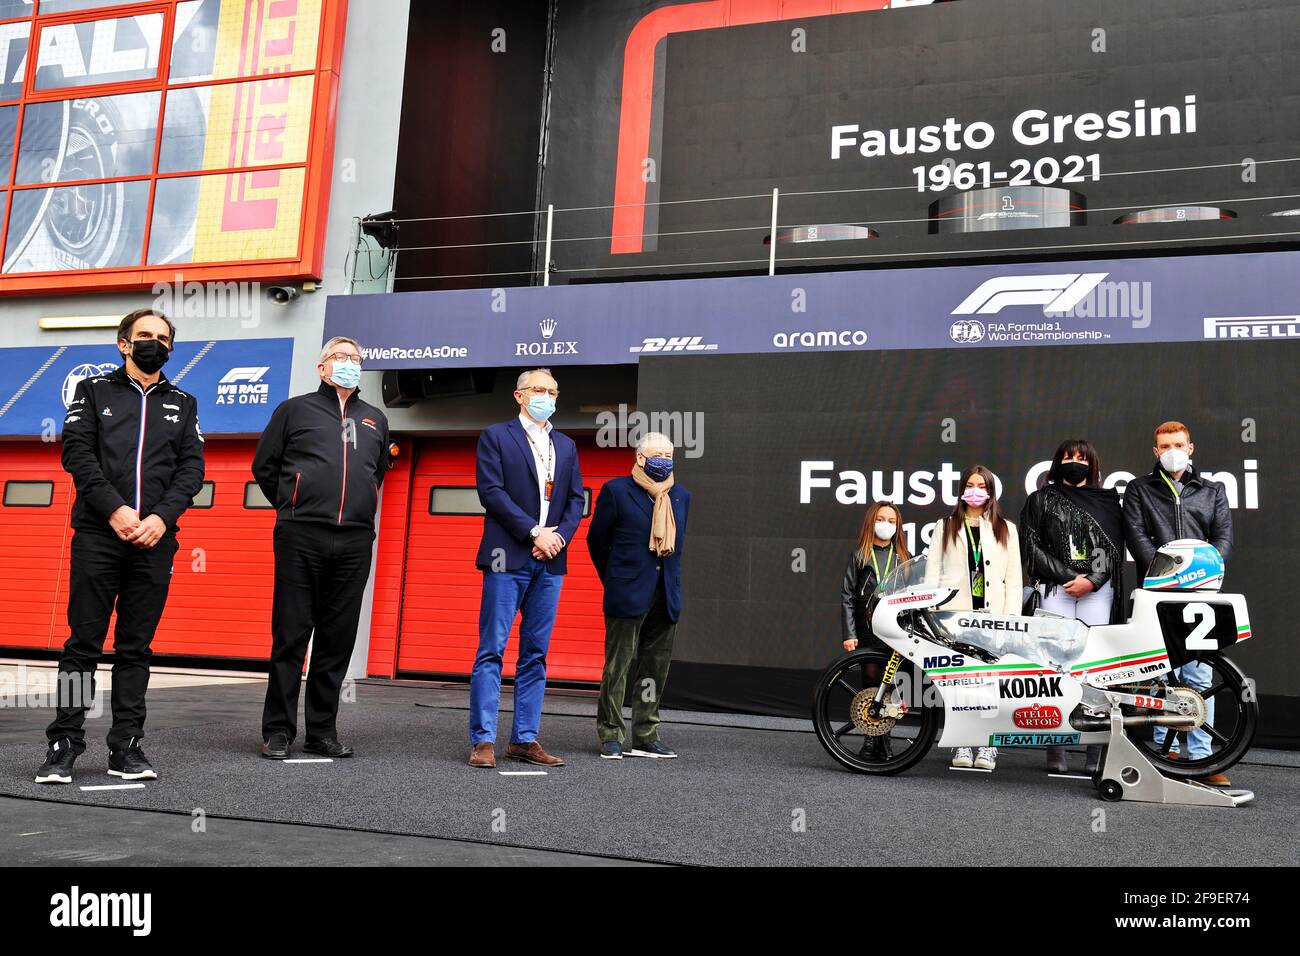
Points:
483	755
533	753
1217	780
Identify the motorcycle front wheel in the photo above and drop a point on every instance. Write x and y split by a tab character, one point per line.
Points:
1230	727
838	714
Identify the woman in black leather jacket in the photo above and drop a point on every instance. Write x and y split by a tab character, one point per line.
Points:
1072	543
880	550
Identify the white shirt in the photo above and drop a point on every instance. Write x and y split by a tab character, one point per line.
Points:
541	446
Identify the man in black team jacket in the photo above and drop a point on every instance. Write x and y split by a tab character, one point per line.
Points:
320	462
132	444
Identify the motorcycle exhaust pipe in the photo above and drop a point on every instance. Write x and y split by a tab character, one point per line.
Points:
1101	724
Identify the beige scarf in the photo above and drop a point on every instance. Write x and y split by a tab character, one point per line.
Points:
663	526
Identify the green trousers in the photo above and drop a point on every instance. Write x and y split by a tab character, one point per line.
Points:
647	640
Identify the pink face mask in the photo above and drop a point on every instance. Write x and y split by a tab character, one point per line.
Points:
975	497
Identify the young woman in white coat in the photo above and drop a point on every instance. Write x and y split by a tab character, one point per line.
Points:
976	552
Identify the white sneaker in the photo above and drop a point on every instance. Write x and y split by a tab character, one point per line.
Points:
961	757
987	758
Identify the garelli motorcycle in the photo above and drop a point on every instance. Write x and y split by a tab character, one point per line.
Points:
967	679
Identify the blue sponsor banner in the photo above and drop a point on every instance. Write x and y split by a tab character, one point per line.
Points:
238	383
1108	301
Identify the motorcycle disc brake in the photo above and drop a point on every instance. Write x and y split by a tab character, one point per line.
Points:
860	713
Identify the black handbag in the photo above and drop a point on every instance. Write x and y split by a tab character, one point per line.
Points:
1032	602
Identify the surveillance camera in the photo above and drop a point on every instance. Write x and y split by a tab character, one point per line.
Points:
283	293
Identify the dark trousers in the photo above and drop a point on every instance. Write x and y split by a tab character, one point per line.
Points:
105	572
648	640
320	576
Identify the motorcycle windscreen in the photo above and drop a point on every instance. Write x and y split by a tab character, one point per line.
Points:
1050	640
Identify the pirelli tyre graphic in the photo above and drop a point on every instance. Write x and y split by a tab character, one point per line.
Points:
85	226
1007	208
1175	214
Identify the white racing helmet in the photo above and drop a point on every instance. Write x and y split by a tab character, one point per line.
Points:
1185	565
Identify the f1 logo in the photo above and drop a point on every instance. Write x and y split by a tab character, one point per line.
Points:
1056	293
250	373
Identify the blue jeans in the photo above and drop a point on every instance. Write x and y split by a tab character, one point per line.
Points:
537	592
1196	675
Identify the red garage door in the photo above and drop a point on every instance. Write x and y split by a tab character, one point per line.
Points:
440	601
220	599
34	556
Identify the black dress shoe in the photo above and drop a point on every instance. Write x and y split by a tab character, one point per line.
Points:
329	747
277	748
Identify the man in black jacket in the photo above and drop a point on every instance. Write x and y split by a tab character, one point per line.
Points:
1174	502
320	463
131	442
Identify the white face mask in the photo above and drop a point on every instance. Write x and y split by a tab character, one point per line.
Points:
885	529
1174	460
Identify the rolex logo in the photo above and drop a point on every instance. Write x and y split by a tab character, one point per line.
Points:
549	345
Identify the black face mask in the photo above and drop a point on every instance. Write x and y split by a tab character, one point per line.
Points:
149	355
1075	471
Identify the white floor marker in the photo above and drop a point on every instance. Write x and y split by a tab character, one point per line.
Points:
308	760
522	773
970	769
117	786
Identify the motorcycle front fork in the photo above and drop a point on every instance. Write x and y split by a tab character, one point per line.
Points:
886	685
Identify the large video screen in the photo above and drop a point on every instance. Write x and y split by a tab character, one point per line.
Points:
788	451
919	131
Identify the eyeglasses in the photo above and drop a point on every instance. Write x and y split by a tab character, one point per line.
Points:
540	390
343	357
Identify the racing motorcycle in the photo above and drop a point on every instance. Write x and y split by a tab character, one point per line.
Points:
974	679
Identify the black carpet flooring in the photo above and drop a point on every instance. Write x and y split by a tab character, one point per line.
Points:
761	794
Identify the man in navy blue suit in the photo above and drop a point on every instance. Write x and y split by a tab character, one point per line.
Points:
529	484
635	539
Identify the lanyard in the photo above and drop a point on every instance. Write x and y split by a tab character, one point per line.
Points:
888	562
550	454
1170	484
976	550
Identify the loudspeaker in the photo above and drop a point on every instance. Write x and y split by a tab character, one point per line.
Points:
402	388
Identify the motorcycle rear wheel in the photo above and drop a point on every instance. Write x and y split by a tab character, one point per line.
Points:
1231	730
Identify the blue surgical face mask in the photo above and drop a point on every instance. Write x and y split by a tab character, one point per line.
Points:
541	407
657	467
345	374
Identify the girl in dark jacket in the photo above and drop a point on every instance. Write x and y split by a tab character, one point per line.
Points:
880	550
1072	543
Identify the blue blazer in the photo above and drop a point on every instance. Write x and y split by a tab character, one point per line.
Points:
618	539
507	488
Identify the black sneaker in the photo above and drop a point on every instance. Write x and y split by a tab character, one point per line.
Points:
655	749
327	747
611	750
58	763
277	748
130	763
